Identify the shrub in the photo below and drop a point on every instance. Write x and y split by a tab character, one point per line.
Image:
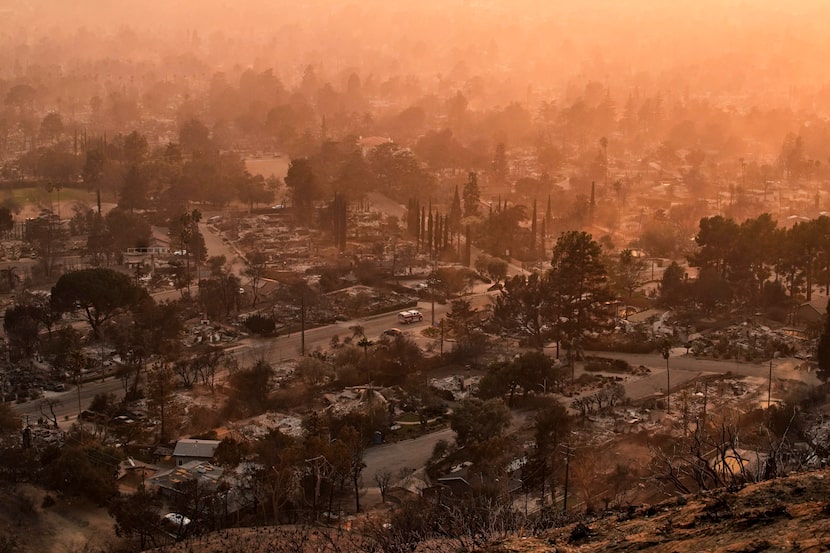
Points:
622	344
440	449
347	375
260	324
446	395
287	399
604	364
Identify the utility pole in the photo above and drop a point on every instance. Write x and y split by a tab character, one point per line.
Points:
769	382
432	287
302	325
442	337
666	351
79	395
567	472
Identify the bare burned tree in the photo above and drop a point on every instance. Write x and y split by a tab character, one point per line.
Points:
281	539
187	371
50	404
712	457
407	529
383	478
208	363
476	521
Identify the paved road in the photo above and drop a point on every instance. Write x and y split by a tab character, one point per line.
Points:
685	367
215	246
67	407
288	346
407	454
273	350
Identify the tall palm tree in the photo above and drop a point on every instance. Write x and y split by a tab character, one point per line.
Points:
359	332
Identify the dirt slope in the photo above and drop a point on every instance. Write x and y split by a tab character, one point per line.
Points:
788	514
68	525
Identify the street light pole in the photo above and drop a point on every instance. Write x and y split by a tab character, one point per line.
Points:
668	386
432	287
442	337
666	351
567	470
302	325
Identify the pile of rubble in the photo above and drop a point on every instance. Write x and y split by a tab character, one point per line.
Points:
206	332
460	386
749	341
260	426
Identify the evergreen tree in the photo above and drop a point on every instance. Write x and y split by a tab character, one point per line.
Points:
304	187
455	213
532	249
579	278
339	219
823	350
439	232
409	219
422	230
548	215
593	200
467	247
499	165
472	195
428	247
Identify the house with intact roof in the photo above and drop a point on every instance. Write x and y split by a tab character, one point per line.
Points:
188	450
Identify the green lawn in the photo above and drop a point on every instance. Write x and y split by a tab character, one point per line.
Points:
34	195
408	417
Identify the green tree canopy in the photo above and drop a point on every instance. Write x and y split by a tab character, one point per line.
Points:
6	219
9	420
475	421
304	188
22	324
672	287
99	292
579	279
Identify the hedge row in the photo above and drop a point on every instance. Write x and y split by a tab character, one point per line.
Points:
604	364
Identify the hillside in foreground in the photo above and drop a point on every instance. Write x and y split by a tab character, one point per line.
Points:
787	514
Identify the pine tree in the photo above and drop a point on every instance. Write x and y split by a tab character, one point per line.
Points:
422	230
823	349
339	221
593	199
428	246
467	247
410	226
455	212
472	195
533	232
499	164
436	245
548	215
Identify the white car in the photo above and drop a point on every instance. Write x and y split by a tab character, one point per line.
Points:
177	519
